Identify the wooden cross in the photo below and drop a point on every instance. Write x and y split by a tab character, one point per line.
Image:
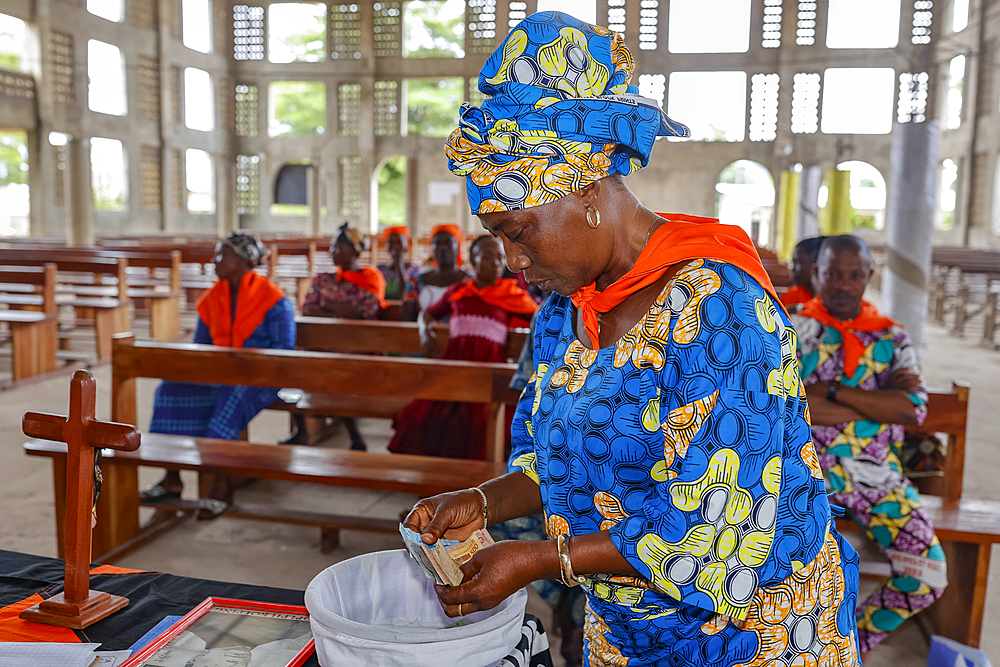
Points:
78	606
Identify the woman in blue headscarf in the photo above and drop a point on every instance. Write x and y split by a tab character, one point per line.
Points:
665	433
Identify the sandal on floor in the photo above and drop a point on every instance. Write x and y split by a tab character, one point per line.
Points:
158	494
209	509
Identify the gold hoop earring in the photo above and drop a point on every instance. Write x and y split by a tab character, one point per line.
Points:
597	214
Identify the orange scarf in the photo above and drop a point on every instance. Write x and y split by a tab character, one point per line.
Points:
868	320
257	295
504	293
455	231
389	231
369	279
682	238
795	295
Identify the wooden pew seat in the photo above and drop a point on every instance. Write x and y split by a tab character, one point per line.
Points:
418	475
341	405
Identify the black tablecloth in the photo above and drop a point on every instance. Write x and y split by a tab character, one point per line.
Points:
153	595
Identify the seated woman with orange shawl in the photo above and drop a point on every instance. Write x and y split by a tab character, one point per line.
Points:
397	273
243	309
350	292
481	310
425	289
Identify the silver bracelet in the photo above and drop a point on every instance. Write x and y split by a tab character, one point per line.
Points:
486	516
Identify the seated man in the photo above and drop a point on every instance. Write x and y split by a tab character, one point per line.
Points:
803	261
863	388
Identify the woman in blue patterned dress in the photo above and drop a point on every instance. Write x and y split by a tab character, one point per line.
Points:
665	433
243	309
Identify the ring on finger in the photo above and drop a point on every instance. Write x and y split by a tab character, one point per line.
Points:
460	609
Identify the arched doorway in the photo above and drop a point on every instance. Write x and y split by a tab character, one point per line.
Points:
868	194
744	196
389	193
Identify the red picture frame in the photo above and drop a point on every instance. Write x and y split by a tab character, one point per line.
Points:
229	606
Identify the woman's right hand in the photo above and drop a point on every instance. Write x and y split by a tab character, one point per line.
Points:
428	342
454	515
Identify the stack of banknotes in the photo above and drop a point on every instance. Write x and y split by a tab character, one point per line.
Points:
443	559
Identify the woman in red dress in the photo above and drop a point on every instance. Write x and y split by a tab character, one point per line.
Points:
481	310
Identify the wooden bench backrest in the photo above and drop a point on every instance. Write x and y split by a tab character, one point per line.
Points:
948	413
72	264
336	335
440	380
40	276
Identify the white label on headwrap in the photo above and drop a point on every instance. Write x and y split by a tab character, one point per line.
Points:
934	573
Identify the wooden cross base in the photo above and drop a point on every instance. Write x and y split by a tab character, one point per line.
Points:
75	615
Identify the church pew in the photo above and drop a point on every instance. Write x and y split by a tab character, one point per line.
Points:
33	330
392	377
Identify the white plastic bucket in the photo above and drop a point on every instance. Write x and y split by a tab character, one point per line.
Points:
380	609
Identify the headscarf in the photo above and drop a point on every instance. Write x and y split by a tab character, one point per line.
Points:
350	236
246	246
504	293
560	115
681	238
256	296
869	319
455	231
402	230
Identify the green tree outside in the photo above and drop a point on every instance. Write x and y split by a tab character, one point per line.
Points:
434	29
392	192
297	108
432	105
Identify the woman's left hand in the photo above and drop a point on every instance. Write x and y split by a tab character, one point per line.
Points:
497	572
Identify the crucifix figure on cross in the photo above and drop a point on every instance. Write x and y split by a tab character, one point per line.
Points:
78	606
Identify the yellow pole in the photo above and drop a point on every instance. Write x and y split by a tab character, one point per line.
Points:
788	208
839	203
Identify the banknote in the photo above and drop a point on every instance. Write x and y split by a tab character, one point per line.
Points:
442	560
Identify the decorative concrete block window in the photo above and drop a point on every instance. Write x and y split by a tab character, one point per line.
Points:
112	10
709	26
432	105
954	99
296	32
863	24
12	52
858	100
959	15
108	174
196	25
106	71
944	216
712	104
199	109
199	180
653	86
585	10
434	29
296	108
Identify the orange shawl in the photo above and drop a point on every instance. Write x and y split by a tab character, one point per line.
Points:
455	231
369	279
504	293
257	295
868	320
795	295
682	238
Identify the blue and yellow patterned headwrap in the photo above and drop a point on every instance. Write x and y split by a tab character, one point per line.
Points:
560	115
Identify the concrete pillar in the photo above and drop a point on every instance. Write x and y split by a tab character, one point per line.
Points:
38	179
413	195
313	194
225	195
838	205
788	206
910	225
81	196
808	222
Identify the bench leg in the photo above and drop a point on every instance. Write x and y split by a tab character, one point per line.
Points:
329	540
106	324
165	318
117	509
958	614
34	348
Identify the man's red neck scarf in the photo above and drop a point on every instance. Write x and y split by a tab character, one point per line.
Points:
795	295
869	319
